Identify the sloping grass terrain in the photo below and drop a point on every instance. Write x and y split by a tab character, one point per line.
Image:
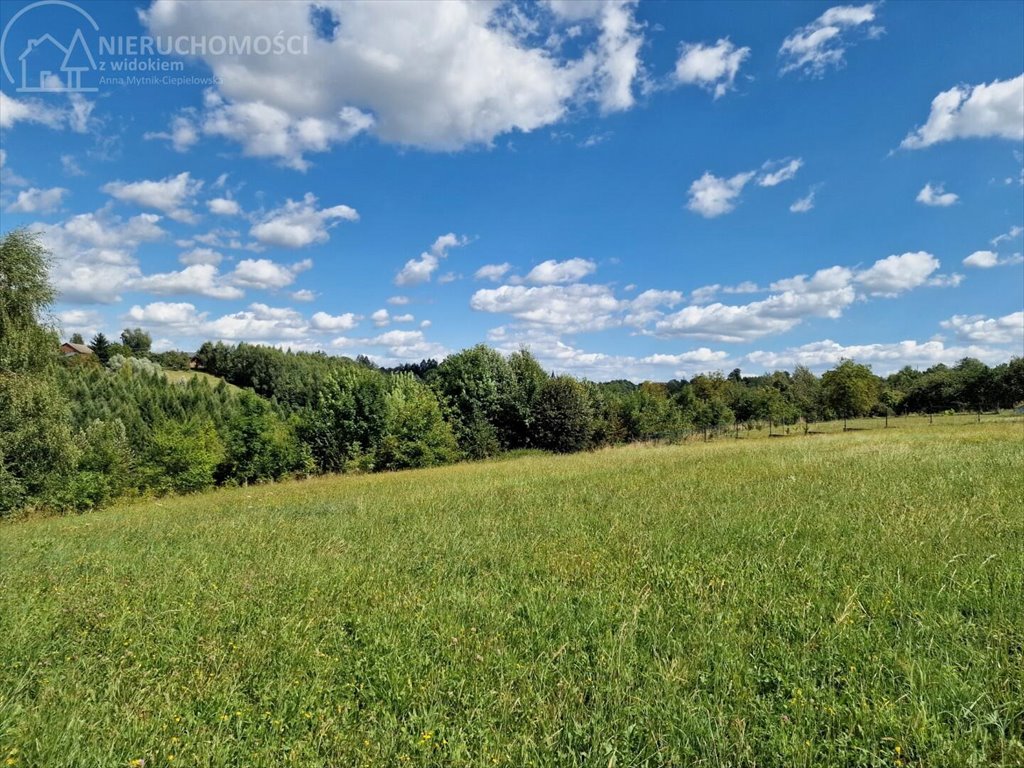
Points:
183	377
832	600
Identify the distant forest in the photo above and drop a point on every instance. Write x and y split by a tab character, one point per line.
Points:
81	430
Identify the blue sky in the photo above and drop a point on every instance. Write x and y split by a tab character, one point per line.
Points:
641	190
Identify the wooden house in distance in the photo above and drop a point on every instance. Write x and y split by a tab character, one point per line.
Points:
70	349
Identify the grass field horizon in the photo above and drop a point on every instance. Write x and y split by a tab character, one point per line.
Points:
850	599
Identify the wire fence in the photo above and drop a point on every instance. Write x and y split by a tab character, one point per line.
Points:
758	430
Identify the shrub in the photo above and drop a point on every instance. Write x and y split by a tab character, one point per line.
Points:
260	446
183	456
415	433
563	420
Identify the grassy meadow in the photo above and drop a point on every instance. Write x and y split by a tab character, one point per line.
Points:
183	377
831	600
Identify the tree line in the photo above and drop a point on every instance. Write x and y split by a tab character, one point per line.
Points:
79	432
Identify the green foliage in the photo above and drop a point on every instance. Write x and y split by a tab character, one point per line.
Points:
806	395
344	418
183	456
100	345
647	413
475	386
27	343
35	440
415	433
172	360
850	390
36	449
527	377
711	414
259	446
105	468
137	341
1010	379
133	364
562	415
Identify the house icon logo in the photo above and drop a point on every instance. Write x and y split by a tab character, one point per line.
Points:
46	64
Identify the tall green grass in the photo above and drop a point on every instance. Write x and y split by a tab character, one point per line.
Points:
836	600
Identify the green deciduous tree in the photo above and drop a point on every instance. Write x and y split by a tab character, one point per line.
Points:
415	432
563	419
36	450
805	394
850	390
259	445
526	379
183	456
105	467
137	341
474	387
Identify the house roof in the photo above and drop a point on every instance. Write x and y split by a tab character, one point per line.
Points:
82	349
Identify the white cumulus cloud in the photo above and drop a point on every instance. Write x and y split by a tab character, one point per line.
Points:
439	76
814	48
552	271
267	274
989	259
712	196
199	279
784	170
224	206
297	224
35	200
712	67
420	270
988	110
896	274
183	133
172	195
936	196
492	272
323	321
1008	329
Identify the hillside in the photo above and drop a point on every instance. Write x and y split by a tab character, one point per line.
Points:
183	377
840	599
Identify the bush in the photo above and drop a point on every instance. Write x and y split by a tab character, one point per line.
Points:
133	365
562	416
259	446
415	433
183	456
105	467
